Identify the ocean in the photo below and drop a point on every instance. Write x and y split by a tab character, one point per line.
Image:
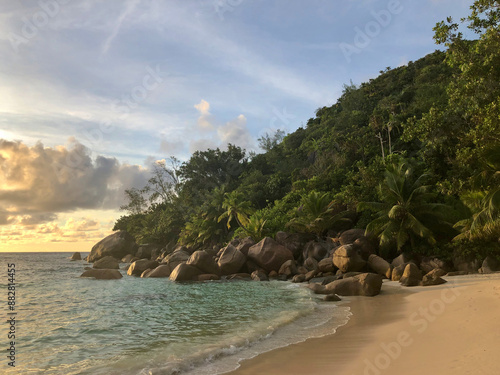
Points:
71	325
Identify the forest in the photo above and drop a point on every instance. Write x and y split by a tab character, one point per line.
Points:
412	157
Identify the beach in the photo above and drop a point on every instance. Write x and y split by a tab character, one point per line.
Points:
447	329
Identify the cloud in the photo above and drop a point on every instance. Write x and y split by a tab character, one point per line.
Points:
236	133
205	120
218	136
37	182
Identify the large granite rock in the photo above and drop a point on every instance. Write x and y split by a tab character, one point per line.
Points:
106	263
427	264
380	266
294	242
76	256
163	270
347	259
116	245
351	235
397	272
432	278
141	265
490	265
208	277
311	264
365	284
185	272
177	257
403	258
412	276
245	244
146	251
467	264
316	250
269	254
259	276
289	269
231	260
326	265
102	274
204	262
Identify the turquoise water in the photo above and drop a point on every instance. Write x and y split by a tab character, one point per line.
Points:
71	325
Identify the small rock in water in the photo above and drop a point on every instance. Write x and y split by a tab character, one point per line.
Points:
332	298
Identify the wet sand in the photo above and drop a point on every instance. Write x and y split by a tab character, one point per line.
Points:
447	329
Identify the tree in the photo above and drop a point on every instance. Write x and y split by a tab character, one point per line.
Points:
484	201
317	214
404	213
267	142
237	208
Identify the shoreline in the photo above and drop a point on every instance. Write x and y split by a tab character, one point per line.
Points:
450	328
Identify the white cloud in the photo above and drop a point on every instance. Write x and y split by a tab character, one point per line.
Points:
236	132
206	118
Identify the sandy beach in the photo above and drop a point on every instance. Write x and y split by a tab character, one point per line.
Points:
448	329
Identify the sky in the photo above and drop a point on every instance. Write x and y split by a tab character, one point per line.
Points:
93	93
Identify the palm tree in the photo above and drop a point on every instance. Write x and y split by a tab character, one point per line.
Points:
317	214
237	208
404	213
484	201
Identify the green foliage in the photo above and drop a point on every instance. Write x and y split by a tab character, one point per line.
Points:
317	214
404	213
441	114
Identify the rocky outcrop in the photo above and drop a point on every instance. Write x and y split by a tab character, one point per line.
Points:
245	245
204	262
269	254
326	265
106	263
208	277
427	264
129	258
403	258
102	274
116	245
351	235
347	259
490	265
185	272
470	265
146	251
259	276
289	269
177	257
76	256
316	250
432	279
365	247
141	265
366	284
300	278
311	264
163	270
294	242
411	275
397	272
380	266
332	298
239	276
231	260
